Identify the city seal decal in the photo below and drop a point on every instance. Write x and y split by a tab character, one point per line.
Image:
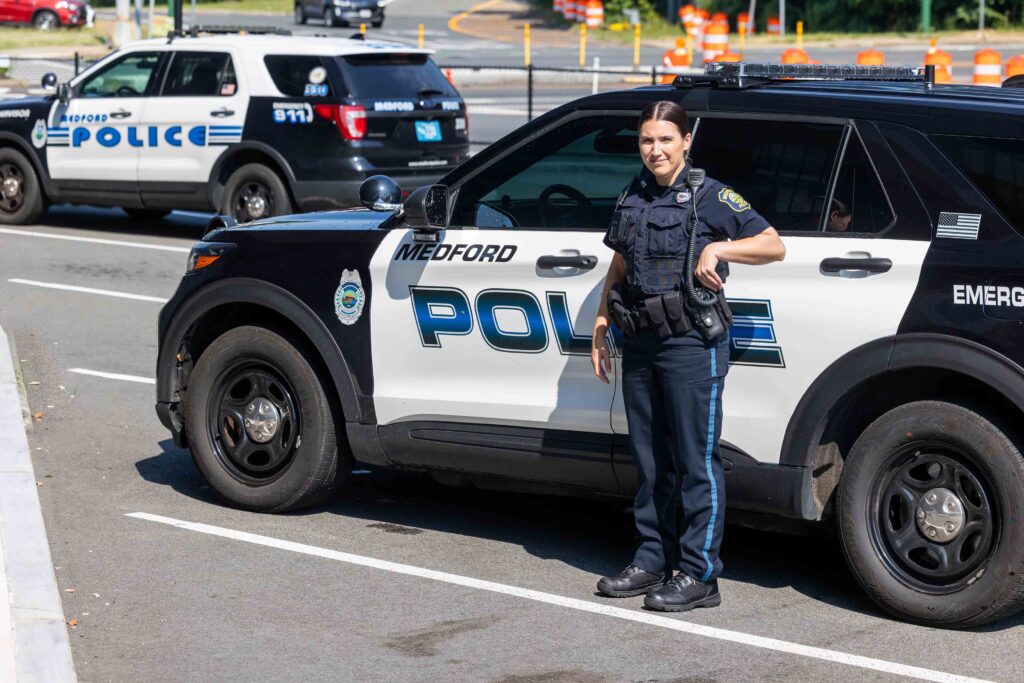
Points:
39	134
349	297
733	200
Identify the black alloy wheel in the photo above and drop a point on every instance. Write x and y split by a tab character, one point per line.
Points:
254	192
253	422
935	525
928	508
21	197
261	425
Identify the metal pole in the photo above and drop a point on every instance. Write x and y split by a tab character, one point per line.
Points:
782	18
123	25
926	16
179	19
751	23
76	62
654	75
529	92
981	16
193	22
152	7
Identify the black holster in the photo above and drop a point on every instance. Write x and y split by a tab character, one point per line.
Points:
620	312
714	320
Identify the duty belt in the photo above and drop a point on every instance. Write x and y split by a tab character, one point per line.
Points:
664	314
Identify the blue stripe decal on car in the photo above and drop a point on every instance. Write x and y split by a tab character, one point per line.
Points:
707	464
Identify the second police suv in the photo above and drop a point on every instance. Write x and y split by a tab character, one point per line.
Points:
250	126
877	379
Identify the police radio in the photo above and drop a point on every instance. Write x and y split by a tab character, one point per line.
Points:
708	310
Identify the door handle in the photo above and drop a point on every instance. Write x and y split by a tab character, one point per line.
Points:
869	265
582	262
120	114
222	112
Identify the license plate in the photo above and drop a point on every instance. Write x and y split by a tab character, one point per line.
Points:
428	131
365	14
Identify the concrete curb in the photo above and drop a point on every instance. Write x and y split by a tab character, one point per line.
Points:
33	638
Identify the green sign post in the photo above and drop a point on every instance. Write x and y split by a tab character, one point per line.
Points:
926	16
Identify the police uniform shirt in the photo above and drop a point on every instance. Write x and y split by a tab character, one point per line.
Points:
651	228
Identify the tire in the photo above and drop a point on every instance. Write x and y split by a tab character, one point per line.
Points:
298	465
21	195
300	13
145	214
329	20
45	20
377	24
967	579
251	182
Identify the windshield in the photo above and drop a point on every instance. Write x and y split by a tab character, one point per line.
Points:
390	76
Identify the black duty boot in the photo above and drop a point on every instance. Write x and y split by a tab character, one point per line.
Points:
629	582
683	593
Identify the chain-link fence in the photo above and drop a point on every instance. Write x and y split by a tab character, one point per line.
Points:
499	99
22	76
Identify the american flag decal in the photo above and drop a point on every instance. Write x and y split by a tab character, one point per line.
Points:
958	226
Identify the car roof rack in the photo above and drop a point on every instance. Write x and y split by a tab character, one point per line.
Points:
751	74
194	31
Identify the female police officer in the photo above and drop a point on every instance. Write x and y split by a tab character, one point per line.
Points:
673	378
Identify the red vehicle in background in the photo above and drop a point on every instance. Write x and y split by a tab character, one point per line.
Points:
46	14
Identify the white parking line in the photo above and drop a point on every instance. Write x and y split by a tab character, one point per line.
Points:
87	290
572	603
93	240
113	375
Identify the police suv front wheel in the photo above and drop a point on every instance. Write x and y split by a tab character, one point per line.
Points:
261	428
253	192
21	195
929	506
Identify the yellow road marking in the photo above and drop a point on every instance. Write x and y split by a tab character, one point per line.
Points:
453	23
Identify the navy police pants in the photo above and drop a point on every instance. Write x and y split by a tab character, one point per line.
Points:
673	397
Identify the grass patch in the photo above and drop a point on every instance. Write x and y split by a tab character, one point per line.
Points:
13	37
227	6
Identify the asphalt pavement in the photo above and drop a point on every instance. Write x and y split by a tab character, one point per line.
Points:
397	578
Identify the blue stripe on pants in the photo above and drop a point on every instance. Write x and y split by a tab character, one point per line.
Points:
711	477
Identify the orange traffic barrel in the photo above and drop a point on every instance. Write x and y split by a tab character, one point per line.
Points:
743	18
569	10
728	57
716	41
595	13
696	29
448	75
988	68
795	56
871	58
1015	66
675	61
556	6
720	16
774	28
686	14
581	11
943	63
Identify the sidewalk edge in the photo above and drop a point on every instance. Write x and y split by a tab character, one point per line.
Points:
39	649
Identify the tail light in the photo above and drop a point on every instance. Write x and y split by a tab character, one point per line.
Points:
350	120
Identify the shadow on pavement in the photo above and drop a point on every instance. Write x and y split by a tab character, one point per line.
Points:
593	536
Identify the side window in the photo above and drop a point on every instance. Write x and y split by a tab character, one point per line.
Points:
128	76
782	168
298	75
200	74
995	166
567	179
859	203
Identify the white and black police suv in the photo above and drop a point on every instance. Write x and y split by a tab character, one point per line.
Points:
877	374
250	126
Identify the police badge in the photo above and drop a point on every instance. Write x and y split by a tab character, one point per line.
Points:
39	134
349	297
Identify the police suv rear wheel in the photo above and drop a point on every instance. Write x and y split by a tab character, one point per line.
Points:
254	192
928	505
260	426
21	196
300	13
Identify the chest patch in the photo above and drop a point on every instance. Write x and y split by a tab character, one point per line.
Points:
733	200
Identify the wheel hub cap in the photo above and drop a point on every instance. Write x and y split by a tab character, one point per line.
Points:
255	205
10	187
940	515
261	419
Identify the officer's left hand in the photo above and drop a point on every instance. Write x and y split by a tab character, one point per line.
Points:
705	271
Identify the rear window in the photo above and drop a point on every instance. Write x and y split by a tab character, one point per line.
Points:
386	76
995	166
298	75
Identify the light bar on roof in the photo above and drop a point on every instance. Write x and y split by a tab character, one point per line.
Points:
851	72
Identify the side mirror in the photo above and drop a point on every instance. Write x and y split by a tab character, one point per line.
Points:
63	93
381	193
49	80
427	208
